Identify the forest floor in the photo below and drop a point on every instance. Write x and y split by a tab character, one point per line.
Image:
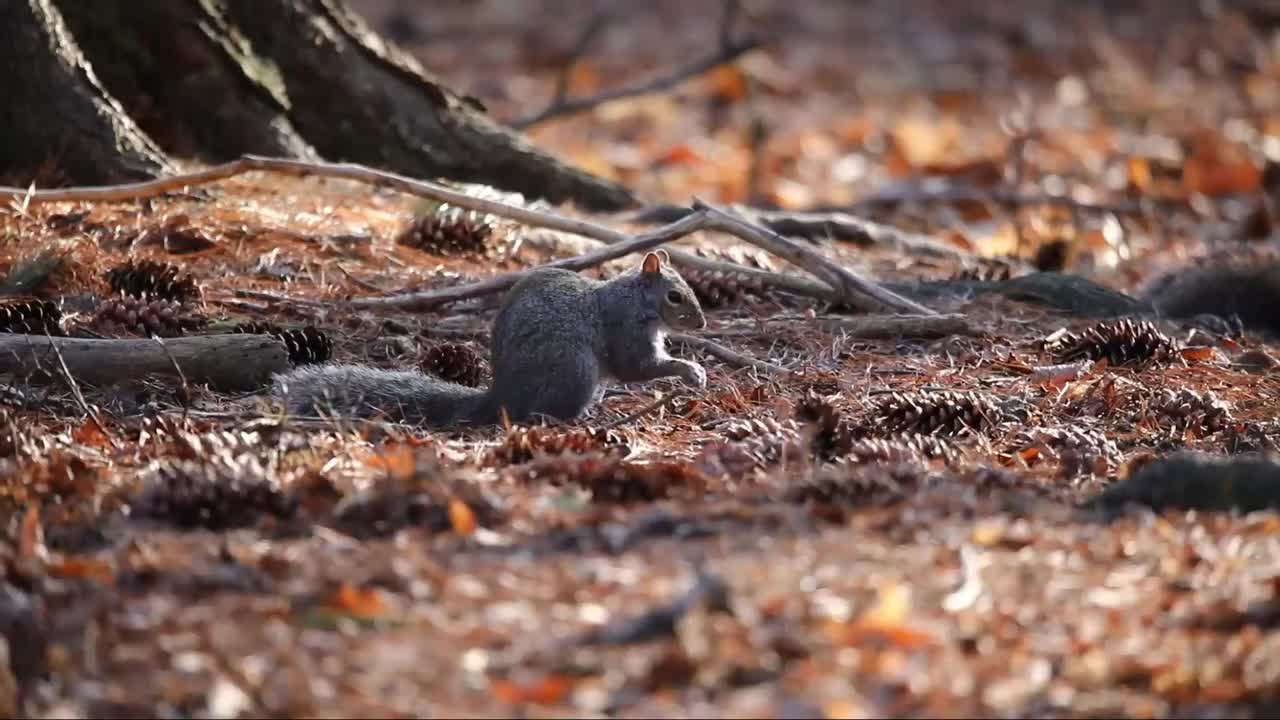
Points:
777	545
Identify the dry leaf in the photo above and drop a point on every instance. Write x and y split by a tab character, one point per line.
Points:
547	689
1202	353
31	536
727	82
367	603
396	460
682	154
89	433
461	517
80	567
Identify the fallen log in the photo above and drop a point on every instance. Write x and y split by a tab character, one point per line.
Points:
223	362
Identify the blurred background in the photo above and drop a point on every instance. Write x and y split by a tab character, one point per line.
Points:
846	97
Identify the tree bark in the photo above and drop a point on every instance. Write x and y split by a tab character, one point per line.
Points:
224	362
358	99
216	79
56	113
187	77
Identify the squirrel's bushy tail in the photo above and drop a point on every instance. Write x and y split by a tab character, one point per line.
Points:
354	391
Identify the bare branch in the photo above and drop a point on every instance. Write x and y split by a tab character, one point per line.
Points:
835	225
433	298
851	288
728	51
594	27
883	327
847	288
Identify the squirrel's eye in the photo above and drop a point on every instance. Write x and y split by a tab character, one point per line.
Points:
674	297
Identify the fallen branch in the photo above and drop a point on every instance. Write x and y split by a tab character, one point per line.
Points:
1005	196
819	225
731	357
881	327
728	51
847	287
434	298
224	362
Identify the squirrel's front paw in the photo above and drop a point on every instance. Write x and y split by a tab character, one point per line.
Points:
693	374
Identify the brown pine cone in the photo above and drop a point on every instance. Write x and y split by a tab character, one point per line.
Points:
30	317
450	231
158	318
1121	342
456	362
943	412
152	280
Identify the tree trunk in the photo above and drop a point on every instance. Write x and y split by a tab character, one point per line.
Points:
215	79
359	99
187	77
56	114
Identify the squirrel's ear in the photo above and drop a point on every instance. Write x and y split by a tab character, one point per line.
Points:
652	264
662	255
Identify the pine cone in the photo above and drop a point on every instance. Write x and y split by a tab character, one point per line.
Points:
831	436
152	280
523	444
305	345
215	494
1189	409
943	412
30	317
858	485
715	288
748	256
160	318
1078	451
1123	342
456	362
450	231
913	448
752	444
614	480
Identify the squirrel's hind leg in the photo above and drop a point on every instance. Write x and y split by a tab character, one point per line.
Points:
564	393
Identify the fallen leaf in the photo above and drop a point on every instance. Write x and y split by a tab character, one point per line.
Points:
1202	353
727	82
89	433
78	567
367	603
461	517
31	535
547	689
397	461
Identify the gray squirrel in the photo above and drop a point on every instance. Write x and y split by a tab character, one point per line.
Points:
556	338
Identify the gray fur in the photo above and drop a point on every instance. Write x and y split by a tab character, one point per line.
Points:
557	336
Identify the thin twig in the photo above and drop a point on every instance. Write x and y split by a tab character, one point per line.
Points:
732	357
594	27
727	52
79	396
433	298
363	285
182	377
651	407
